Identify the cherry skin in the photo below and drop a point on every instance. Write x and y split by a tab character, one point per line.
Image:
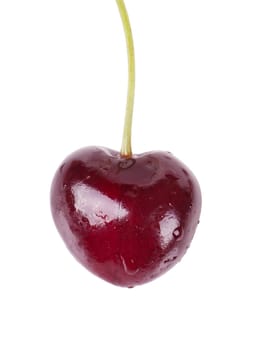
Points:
126	220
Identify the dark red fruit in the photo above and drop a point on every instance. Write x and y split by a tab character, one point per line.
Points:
126	220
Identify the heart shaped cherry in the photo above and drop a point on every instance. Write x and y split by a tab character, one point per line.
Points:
127	218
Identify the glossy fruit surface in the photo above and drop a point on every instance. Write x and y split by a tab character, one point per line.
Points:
126	220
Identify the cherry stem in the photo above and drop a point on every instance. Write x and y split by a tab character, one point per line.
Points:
126	148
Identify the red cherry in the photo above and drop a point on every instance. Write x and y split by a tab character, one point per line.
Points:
126	220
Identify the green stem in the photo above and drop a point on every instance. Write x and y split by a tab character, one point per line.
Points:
126	148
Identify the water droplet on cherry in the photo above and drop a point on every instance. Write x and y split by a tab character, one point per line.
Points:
178	233
126	163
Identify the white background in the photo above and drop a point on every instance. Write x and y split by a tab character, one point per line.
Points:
63	86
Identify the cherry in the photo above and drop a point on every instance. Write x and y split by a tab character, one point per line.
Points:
127	218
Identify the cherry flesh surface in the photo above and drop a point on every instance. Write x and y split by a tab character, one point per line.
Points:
126	220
